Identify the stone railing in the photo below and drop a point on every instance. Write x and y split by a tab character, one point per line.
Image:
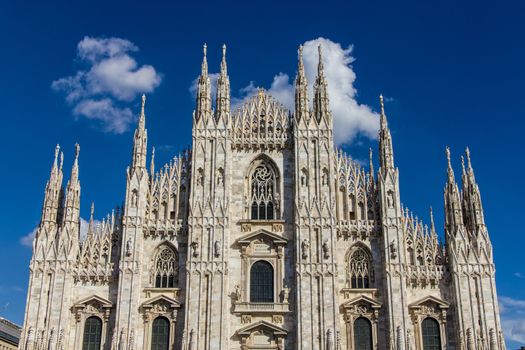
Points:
253	308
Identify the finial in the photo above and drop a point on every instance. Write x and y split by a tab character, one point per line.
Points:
152	164
77	151
61	160
223	50
370	156
467	152
260	92
57	150
300	52
92	210
204	49
432	226
463	165
320	66
382	103
143	103
223	62
447	151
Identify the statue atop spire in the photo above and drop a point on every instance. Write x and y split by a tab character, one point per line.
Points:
223	88
140	139
72	203
321	108
53	193
385	140
203	108
301	89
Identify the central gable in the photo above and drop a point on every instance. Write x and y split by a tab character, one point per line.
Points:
261	118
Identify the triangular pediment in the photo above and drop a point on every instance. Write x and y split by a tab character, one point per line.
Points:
262	234
94	299
161	299
268	327
374	304
432	299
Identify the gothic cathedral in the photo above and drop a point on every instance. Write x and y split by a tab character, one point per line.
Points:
263	235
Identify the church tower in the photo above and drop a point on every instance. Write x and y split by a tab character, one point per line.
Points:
207	289
314	214
471	264
132	254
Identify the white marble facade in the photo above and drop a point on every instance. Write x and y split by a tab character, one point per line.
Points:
263	235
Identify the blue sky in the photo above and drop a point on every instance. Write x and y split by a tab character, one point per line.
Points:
452	72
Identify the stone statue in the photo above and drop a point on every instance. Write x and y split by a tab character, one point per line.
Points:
217	249
195	247
129	244
326	251
238	293
305	245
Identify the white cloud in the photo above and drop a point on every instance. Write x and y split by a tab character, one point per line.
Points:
519	275
350	117
112	118
27	240
512	318
112	78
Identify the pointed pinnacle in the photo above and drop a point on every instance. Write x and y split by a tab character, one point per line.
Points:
383	121
467	152
92	211
204	67
432	226
463	166
77	151
61	160
320	66
223	62
450	171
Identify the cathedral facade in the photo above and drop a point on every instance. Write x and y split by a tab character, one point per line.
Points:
263	235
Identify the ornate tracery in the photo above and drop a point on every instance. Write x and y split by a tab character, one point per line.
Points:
360	273
166	269
263	193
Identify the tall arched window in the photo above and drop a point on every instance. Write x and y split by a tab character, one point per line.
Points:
261	282
166	269
359	269
430	334
362	334
92	334
160	334
263	193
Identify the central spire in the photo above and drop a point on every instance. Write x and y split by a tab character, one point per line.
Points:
386	149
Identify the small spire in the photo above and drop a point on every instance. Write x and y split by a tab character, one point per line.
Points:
371	160
204	67
152	164
467	152
464	172
91	217
61	160
57	151
320	66
224	68
432	226
77	151
449	166
383	122
301	64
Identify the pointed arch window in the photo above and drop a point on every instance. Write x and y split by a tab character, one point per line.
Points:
430	334
261	282
166	269
263	189
160	334
362	334
92	334
359	268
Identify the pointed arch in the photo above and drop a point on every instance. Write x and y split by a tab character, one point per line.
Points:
263	188
359	267
165	269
